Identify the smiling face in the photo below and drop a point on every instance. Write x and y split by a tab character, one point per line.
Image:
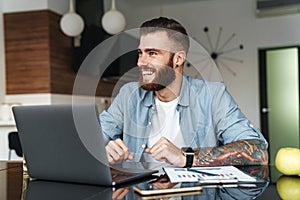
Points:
156	61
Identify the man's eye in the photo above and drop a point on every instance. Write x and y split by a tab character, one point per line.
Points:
152	53
139	53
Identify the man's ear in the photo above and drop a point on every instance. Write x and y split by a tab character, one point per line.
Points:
179	58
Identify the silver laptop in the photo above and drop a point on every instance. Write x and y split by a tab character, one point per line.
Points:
65	143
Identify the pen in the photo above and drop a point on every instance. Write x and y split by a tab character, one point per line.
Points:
201	172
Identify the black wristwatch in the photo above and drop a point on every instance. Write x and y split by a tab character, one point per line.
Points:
189	154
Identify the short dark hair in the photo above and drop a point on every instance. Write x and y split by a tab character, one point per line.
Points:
177	33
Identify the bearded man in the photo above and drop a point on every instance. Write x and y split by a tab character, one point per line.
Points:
173	118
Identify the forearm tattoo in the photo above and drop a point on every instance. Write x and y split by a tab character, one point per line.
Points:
258	171
243	152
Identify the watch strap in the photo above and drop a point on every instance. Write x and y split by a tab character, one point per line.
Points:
189	154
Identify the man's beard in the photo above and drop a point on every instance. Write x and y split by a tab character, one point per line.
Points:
164	76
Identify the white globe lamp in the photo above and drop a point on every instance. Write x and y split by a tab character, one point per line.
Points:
113	21
71	23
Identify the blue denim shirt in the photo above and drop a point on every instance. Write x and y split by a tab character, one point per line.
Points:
208	116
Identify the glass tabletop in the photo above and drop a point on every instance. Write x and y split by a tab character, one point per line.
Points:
13	185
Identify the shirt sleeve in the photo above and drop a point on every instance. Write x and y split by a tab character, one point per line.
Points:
230	123
111	120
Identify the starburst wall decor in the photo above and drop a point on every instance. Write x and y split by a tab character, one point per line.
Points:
218	50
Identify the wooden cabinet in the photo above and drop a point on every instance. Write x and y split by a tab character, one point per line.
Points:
39	56
35	50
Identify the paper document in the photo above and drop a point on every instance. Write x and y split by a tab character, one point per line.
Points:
220	174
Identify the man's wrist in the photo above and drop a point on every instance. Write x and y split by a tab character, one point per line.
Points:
195	160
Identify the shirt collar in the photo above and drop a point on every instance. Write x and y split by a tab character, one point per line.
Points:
184	92
147	98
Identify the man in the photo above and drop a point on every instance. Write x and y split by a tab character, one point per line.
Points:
167	111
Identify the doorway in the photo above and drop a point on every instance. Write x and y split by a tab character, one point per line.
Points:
279	97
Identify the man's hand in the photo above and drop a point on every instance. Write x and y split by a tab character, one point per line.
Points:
120	193
163	182
163	150
117	151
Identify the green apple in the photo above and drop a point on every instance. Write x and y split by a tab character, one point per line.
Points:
287	161
288	187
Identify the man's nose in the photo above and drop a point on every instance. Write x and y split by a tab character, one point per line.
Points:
142	61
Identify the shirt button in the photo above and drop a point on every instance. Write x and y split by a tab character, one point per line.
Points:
149	123
143	146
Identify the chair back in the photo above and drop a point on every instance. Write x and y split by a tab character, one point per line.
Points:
14	143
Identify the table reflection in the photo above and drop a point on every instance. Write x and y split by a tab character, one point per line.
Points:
37	189
47	190
226	191
288	187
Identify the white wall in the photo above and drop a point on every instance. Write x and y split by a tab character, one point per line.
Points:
234	16
23	5
59	6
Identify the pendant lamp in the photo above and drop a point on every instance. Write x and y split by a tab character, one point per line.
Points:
113	21
71	23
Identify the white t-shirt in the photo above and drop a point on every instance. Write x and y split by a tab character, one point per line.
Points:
165	123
